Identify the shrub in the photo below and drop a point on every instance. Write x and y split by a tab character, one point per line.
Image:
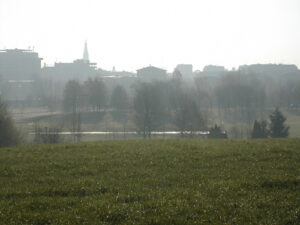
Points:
216	132
47	135
259	129
9	135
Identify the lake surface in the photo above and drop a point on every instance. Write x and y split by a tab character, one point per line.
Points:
127	132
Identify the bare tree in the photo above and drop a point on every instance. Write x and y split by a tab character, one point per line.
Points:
240	98
119	98
120	104
187	115
47	135
96	93
149	108
72	96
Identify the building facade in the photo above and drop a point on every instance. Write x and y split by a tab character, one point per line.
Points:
213	71
186	71
19	64
77	70
19	70
151	73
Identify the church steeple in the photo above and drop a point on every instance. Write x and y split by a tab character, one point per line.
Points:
85	53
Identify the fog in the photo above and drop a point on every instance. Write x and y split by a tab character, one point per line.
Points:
133	34
137	69
74	101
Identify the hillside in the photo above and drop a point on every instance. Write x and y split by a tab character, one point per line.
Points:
152	182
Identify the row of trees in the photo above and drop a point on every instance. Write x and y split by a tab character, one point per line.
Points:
92	95
151	114
158	105
239	95
243	98
154	105
172	104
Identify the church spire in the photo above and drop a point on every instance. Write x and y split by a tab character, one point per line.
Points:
85	53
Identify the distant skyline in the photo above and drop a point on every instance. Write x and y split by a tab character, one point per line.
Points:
135	33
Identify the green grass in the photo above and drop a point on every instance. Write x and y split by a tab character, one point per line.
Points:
152	182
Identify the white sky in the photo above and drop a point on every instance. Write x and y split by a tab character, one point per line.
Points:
130	34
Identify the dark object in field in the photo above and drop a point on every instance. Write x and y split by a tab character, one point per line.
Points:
259	129
277	127
47	135
9	134
216	132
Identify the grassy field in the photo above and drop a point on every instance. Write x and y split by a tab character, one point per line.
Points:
152	182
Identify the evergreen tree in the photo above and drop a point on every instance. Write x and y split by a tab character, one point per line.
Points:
259	129
277	127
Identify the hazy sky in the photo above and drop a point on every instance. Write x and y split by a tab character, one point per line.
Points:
130	34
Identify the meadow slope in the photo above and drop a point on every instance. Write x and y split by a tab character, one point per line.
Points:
152	182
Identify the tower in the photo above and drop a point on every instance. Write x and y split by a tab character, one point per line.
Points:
85	53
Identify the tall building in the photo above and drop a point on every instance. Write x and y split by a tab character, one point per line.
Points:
19	64
19	69
85	53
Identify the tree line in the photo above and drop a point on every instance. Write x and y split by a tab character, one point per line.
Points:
161	105
204	105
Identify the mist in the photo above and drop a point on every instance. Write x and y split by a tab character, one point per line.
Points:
133	34
75	100
137	68
149	112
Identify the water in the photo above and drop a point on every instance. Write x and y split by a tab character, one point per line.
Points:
126	133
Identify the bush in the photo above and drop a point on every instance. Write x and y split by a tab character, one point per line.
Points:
216	132
259	129
9	135
47	135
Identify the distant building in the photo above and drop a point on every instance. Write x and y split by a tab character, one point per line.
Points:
186	70
19	69
269	69
115	74
213	68
80	69
212	71
151	73
19	64
77	70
